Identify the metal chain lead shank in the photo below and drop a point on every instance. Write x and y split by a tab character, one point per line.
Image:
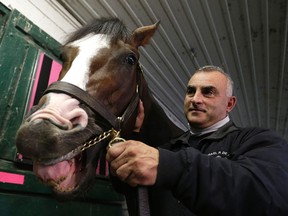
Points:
113	134
115	139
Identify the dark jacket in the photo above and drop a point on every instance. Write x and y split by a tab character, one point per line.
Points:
233	171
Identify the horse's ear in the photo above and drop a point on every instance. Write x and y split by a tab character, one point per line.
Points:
142	35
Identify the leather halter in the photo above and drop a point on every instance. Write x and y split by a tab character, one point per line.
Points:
116	122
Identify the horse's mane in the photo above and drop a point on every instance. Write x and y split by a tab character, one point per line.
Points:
110	26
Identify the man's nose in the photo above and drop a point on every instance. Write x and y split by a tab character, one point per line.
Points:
197	97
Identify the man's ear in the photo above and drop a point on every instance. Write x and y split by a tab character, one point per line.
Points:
231	104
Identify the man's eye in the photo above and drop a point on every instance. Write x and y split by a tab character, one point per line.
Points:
190	91
208	92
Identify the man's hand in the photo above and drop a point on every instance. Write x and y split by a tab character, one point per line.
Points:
134	162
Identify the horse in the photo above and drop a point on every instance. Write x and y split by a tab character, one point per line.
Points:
94	101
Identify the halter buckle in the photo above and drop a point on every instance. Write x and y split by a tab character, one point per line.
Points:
115	138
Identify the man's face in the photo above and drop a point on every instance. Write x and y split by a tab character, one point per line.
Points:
206	100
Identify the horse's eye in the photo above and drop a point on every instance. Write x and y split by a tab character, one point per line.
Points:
131	59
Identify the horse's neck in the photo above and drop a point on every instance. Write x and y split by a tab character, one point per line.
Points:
157	128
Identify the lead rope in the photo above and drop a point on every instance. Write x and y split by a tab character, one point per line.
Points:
142	192
143	196
143	201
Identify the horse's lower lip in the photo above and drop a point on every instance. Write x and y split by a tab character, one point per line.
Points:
64	190
59	188
57	185
62	177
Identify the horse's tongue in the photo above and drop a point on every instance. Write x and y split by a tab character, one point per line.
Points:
61	175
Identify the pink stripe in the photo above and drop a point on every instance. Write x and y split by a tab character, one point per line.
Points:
11	178
106	168
35	84
55	71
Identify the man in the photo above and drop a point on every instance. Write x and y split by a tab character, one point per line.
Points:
215	168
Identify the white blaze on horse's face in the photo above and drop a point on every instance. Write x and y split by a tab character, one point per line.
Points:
62	109
88	47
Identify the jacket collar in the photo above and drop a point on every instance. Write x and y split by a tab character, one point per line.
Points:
218	134
212	128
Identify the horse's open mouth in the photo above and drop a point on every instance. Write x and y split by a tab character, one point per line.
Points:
64	176
59	156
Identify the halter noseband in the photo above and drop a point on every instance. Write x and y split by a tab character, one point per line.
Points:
95	105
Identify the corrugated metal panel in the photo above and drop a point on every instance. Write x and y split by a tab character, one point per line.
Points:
247	38
50	16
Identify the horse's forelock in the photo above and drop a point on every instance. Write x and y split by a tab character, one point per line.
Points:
110	26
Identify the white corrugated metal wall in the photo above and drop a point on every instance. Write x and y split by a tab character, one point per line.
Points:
247	38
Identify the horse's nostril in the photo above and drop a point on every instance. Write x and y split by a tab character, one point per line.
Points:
51	116
39	120
34	121
60	126
78	117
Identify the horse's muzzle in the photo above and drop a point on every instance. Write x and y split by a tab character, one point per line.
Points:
42	139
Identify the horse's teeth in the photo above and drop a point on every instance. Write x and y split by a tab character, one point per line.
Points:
56	184
51	182
61	179
58	188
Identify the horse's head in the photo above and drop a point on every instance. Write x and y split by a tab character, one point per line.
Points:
64	134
